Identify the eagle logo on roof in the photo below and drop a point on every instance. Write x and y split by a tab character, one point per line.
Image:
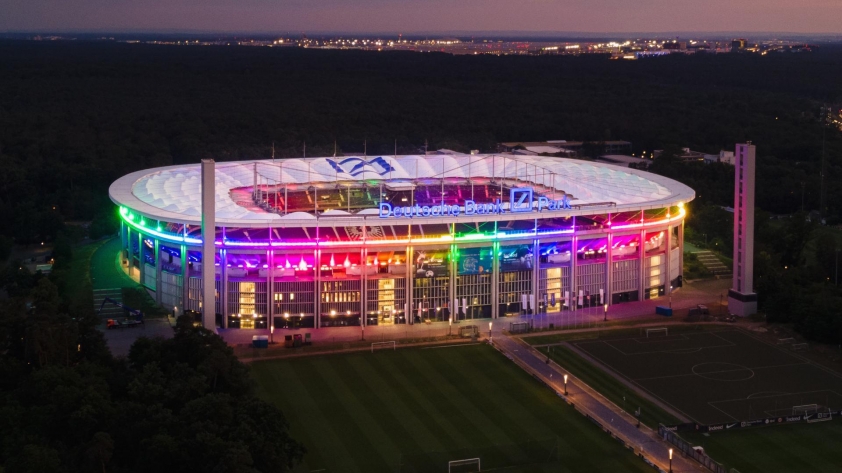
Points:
357	166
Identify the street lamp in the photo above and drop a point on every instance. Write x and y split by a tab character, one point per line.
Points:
450	325
670	296
565	385
670	460
489	331
605	313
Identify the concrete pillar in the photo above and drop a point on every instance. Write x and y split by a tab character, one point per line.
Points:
668	242
157	251
609	268
742	300
317	293
644	278
208	247
141	265
574	257
537	294
681	249
364	288
185	280
454	272
223	286
270	288
410	282
495	280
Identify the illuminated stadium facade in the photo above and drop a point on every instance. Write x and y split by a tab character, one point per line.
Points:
326	242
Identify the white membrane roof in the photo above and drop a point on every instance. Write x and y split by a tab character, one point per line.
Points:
173	193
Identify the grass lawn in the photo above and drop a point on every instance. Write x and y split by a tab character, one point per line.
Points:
607	385
414	409
779	448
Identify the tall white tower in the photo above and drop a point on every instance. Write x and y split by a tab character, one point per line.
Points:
208	244
742	300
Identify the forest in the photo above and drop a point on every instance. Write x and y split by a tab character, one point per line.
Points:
75	116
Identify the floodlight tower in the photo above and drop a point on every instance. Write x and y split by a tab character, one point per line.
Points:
208	245
742	300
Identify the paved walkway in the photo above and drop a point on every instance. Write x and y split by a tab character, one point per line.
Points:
585	399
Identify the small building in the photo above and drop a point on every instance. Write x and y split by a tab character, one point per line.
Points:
625	160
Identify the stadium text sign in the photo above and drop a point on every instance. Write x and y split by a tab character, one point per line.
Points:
520	200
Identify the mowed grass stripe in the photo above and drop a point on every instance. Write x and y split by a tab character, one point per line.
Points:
391	404
307	422
362	426
442	424
510	392
332	421
342	426
449	381
461	416
493	396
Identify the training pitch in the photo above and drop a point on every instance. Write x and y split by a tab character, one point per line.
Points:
718	376
413	410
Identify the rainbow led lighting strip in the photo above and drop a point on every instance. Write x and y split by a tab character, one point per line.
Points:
129	218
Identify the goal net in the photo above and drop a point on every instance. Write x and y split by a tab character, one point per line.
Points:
805	409
464	466
657	332
379	345
799	346
785	341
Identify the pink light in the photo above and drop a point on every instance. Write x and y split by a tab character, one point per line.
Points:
287	264
347	262
302	265
332	262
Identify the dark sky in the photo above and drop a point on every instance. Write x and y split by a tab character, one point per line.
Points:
409	16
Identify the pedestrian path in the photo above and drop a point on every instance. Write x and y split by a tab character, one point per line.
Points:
713	264
644	440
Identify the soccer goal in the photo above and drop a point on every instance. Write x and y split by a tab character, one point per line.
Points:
805	409
800	346
379	345
467	465
785	341
660	331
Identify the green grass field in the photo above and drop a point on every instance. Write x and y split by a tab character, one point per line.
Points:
415	409
607	385
779	448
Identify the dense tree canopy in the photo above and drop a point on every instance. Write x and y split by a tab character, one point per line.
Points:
182	404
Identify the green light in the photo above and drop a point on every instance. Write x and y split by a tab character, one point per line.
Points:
131	217
142	223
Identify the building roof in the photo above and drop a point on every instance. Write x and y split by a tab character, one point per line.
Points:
173	193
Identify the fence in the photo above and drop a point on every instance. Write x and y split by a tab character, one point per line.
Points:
683	446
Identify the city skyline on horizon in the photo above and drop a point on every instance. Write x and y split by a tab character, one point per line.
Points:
539	17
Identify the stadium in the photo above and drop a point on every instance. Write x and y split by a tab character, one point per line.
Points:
337	241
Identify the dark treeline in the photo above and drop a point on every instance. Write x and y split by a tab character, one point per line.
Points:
74	116
183	404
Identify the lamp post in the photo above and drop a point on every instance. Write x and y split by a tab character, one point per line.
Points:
670	460
450	325
605	313
565	385
489	332
272	333
670	296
